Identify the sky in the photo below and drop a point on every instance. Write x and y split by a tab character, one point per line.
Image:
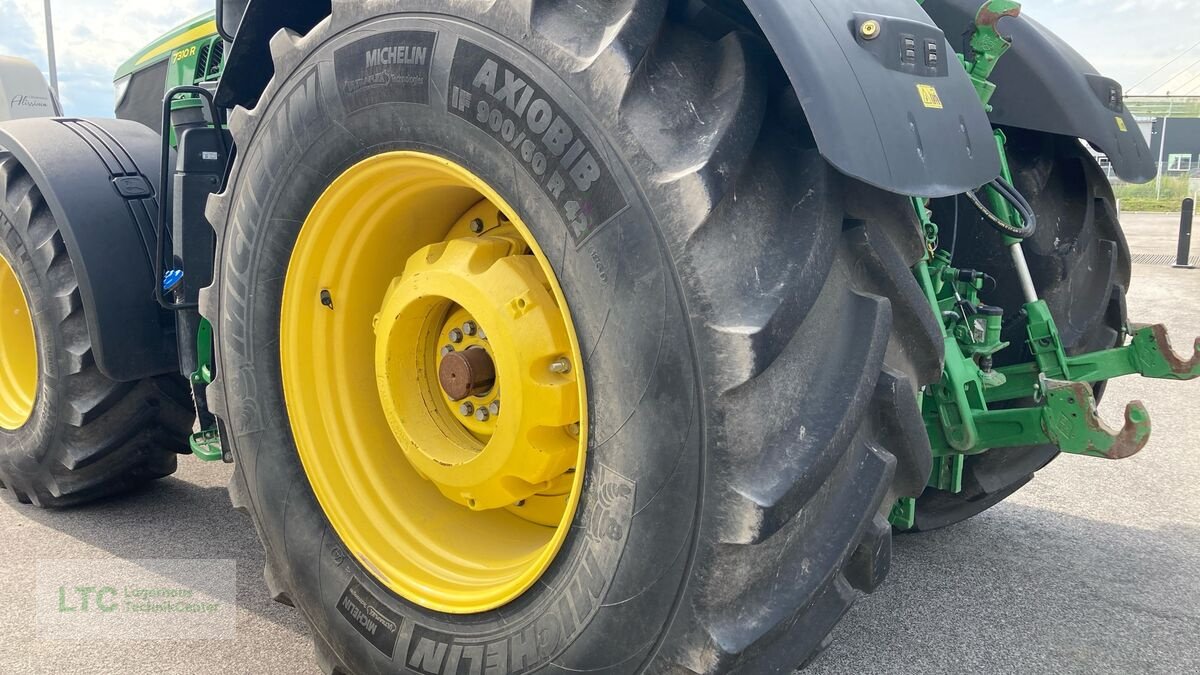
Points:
1125	39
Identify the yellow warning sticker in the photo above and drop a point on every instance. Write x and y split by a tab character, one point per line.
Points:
929	96
1121	125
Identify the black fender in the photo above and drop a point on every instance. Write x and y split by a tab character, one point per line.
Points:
1043	84
900	125
864	104
100	179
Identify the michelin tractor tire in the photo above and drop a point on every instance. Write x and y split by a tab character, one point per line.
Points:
711	341
1081	266
68	434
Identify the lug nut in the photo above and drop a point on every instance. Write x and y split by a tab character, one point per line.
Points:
470	328
466	409
482	414
448	349
494	408
561	366
456	335
477	226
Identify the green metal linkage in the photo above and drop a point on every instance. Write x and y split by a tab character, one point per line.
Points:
1149	354
206	444
1067	419
956	409
204	354
997	203
1044	341
904	513
988	46
947	473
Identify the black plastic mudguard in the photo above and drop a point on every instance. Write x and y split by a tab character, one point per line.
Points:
903	127
100	180
890	118
1045	85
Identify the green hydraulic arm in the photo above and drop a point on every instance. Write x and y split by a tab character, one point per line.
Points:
970	410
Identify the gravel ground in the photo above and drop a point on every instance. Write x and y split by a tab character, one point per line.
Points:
1093	567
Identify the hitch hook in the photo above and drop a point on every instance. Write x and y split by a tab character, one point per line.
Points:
1156	358
1072	423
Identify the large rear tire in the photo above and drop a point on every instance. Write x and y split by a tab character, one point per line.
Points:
753	338
1081	266
68	434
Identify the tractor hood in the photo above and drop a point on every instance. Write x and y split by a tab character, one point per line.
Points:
161	49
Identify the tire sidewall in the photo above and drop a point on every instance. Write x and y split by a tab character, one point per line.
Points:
615	585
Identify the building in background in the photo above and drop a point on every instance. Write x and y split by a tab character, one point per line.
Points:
1178	119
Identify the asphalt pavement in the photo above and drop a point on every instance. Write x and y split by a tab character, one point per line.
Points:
1093	568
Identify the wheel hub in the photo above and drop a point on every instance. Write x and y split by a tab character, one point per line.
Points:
467	373
482	461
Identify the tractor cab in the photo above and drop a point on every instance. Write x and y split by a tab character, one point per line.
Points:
24	92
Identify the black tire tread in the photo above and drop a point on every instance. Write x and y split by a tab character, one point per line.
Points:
110	436
774	582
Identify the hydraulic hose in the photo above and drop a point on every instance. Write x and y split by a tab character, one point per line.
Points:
1011	195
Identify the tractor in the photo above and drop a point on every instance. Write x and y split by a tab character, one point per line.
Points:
549	336
24	92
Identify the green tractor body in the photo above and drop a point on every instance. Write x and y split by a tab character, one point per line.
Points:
190	54
384	218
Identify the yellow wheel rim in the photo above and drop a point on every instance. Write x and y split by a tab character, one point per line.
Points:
433	382
18	352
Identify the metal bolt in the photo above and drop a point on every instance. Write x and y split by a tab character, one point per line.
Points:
494	408
482	414
448	349
467	408
573	429
470	328
869	29
456	335
561	366
483	335
477	226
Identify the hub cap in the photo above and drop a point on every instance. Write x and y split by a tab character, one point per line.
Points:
18	352
422	341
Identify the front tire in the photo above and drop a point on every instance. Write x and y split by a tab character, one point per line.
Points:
752	335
